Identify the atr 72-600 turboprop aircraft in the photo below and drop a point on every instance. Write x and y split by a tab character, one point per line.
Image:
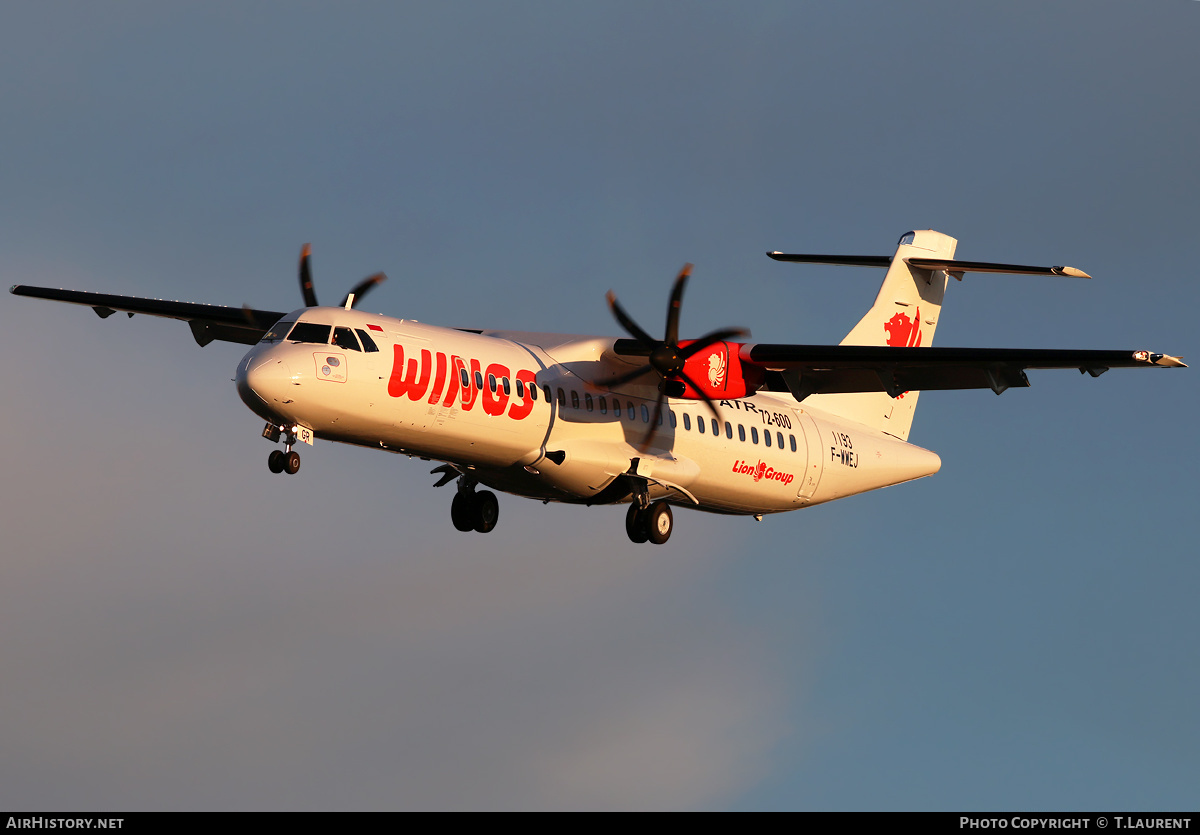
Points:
714	424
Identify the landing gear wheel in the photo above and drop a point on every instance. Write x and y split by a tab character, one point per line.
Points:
487	511
635	525
462	511
659	522
291	462
275	461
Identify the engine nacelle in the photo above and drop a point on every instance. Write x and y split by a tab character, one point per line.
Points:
719	372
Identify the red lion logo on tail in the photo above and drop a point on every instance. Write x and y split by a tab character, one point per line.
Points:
904	332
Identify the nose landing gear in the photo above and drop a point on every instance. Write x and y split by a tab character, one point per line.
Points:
282	460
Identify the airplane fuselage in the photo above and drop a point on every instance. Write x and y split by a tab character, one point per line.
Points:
524	413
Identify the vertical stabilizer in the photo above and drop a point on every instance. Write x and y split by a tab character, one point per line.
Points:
905	314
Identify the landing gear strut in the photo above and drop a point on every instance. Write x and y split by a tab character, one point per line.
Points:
652	523
282	460
472	511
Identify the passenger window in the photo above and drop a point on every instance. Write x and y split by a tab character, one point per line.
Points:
616	407
574	399
687	421
767	437
520	387
741	432
310	332
562	399
479	380
368	343
463	379
492	382
700	425
277	331
345	338
645	414
587	401
546	391
507	386
753	435
630	411
792	438
532	390
660	418
716	427
603	406
728	430
779	439
672	414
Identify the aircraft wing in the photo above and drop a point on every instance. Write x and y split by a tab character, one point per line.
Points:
829	369
207	321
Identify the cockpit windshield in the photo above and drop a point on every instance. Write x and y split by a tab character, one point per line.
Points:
344	338
277	331
310	332
319	334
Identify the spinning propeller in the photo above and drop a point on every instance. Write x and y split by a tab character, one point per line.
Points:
666	358
306	283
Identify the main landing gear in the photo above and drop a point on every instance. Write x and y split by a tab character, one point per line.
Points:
652	523
282	460
472	511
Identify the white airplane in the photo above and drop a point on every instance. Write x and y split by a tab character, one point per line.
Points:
712	424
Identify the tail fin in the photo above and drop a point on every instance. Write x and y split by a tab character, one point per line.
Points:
905	314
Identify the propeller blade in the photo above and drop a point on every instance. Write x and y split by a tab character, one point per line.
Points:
667	359
363	287
658	411
709	338
708	400
672	337
631	327
306	284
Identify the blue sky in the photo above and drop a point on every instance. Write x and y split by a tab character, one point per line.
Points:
182	630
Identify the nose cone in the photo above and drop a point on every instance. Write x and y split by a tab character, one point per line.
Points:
266	384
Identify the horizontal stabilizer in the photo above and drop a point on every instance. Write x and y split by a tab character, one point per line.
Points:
835	260
954	266
949	265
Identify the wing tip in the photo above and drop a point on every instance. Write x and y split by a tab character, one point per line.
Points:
1161	360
